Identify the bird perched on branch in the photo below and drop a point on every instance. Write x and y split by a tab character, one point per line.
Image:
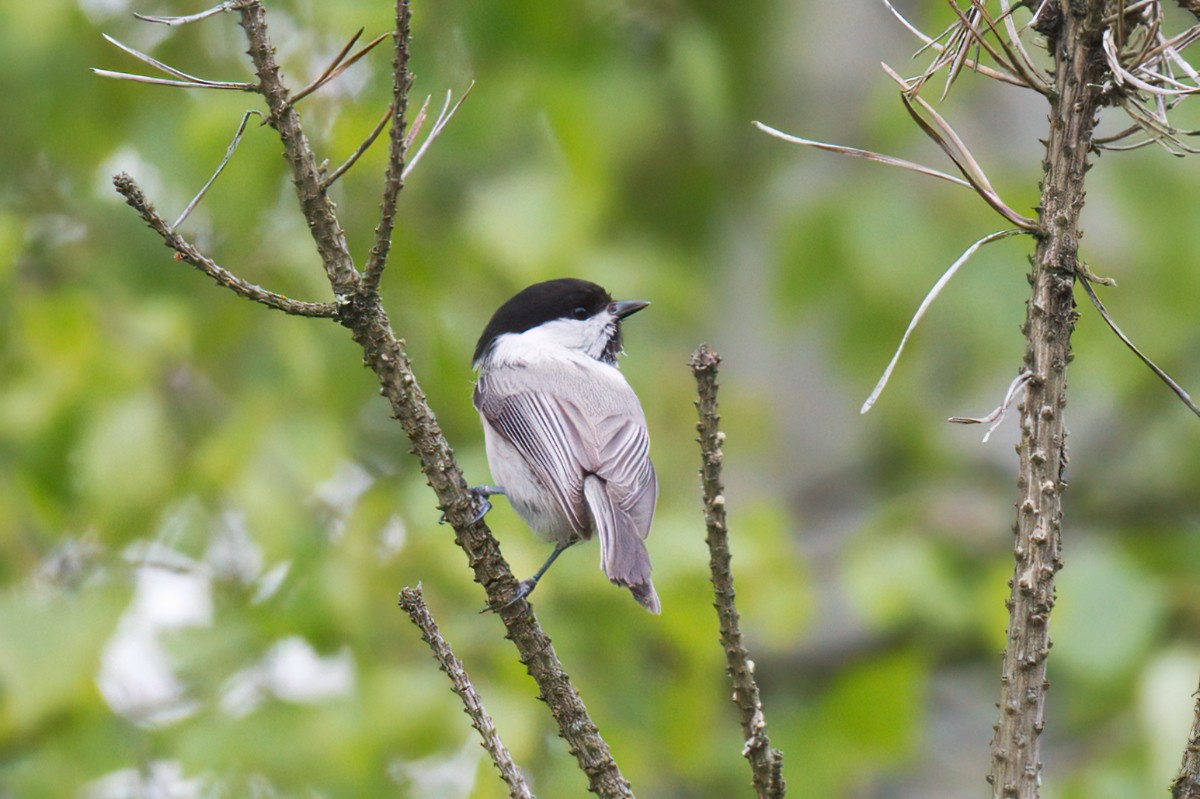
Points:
565	434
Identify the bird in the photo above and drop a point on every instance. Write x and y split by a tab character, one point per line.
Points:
565	435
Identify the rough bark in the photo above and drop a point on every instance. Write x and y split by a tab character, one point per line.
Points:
1050	320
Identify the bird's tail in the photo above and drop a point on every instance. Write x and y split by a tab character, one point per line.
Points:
623	555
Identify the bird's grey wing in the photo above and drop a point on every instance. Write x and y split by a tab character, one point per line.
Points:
536	427
624	463
619	485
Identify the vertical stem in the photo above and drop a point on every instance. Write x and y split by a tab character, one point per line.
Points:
766	763
1079	66
1187	784
318	210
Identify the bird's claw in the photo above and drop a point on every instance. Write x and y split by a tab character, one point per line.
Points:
524	589
485	505
480	494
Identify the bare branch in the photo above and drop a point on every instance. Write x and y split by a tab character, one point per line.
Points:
393	180
237	137
766	764
189	254
929	298
361	312
413	603
1184	397
1079	68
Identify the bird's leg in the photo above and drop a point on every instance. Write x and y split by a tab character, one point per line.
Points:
480	494
525	588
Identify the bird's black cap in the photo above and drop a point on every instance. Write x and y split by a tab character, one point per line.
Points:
564	298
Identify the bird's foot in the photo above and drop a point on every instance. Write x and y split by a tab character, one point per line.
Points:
524	589
480	496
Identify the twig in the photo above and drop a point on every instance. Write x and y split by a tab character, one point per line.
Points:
930	42
226	6
315	205
766	764
447	113
1186	784
948	139
1184	397
994	418
332	177
337	59
393	180
188	253
857	153
929	298
339	64
413	603
197	83
184	79
237	137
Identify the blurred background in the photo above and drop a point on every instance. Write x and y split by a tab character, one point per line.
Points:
206	513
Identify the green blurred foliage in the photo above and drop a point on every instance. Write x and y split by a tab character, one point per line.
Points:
157	431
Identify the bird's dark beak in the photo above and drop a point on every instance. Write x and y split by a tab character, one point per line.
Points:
623	308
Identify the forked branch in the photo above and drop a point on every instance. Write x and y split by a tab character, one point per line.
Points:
358	308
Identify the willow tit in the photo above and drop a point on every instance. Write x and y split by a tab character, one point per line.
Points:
565	435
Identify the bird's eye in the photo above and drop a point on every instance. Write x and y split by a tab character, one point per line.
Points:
580	312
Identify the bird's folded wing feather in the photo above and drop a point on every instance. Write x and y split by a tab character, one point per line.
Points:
576	426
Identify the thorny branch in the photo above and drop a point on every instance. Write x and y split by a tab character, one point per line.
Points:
1103	53
766	764
394	180
413	603
1187	783
185	251
358	308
